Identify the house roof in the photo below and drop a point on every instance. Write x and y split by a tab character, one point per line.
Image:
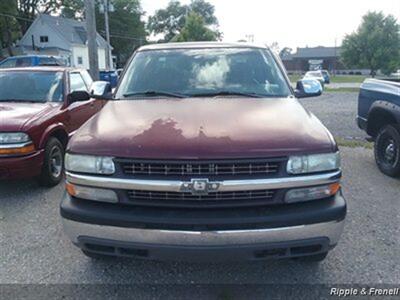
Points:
72	30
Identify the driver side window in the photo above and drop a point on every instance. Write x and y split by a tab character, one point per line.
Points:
76	83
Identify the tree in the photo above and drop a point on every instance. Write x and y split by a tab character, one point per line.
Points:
72	9
127	30
286	51
195	30
170	21
9	28
28	9
375	45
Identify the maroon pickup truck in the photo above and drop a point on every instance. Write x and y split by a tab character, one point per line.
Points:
40	108
204	154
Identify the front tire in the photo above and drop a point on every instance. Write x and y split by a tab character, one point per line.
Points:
387	150
53	165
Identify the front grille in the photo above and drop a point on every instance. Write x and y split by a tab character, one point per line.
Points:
211	200
256	168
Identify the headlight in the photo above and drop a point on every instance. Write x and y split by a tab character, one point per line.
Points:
13	138
313	163
89	164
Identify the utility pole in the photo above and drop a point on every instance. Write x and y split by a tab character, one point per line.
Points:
92	39
107	8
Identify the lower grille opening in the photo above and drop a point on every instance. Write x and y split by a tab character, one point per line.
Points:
306	249
100	248
271	253
133	252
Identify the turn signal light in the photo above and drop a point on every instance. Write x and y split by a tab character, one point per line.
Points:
89	193
18	151
312	193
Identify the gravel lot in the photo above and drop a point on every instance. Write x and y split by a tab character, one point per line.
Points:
34	249
338	112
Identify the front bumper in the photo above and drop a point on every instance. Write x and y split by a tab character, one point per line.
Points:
21	166
279	232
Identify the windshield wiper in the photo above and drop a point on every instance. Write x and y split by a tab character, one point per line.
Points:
154	94
228	93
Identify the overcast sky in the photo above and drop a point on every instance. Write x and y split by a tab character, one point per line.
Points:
293	23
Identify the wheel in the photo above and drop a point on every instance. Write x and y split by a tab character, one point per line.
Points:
387	150
53	165
97	256
314	258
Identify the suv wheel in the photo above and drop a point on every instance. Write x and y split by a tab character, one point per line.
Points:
387	150
53	165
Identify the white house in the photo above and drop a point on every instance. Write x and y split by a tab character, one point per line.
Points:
62	37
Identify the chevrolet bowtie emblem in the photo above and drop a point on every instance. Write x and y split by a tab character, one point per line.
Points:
200	187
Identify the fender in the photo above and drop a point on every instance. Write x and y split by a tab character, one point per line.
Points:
52	128
386	106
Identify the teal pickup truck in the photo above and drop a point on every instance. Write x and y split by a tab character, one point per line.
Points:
379	116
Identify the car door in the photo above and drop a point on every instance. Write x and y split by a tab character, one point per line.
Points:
79	112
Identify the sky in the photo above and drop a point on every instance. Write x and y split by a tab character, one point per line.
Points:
290	23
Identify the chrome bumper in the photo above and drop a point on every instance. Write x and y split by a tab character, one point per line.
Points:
331	230
224	186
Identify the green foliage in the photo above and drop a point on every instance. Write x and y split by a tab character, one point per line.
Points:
127	30
9	27
375	44
72	9
195	30
170	21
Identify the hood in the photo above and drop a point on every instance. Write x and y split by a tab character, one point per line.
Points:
14	115
202	129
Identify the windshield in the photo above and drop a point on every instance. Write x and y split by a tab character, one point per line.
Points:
31	86
197	72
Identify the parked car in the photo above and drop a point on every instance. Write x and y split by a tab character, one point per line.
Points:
205	154
311	85
33	60
317	75
110	76
379	116
40	109
327	76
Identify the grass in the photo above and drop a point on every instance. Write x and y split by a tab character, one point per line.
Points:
342	90
354	143
336	79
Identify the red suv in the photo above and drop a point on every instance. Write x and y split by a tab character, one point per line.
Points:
40	109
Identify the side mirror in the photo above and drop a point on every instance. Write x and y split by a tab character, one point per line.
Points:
308	88
77	96
101	90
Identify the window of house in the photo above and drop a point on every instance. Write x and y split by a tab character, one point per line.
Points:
76	83
44	39
80	60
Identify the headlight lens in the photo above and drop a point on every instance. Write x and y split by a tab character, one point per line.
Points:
313	163
89	164
14	138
